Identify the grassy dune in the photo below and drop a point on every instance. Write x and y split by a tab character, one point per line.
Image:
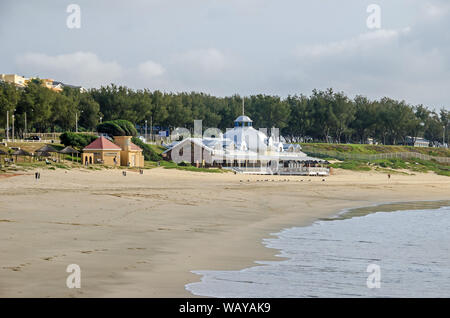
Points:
375	149
395	165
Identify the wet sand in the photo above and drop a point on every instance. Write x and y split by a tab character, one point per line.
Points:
142	235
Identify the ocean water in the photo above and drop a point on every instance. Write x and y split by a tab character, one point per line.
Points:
330	258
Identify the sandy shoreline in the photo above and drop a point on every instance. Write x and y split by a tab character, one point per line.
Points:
142	235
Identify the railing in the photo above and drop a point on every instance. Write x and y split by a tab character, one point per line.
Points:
369	157
255	170
42	135
283	170
32	141
304	170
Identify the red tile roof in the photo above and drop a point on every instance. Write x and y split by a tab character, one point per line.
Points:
102	143
134	147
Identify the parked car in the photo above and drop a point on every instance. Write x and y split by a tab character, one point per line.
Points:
36	138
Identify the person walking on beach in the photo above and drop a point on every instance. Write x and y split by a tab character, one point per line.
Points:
389	176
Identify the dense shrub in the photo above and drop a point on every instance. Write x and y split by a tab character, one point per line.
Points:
110	128
117	127
149	153
76	140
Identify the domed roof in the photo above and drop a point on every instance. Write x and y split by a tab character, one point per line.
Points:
243	119
247	137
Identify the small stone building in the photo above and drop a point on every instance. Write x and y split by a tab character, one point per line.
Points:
131	155
121	153
102	151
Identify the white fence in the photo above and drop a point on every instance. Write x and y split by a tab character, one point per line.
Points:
30	141
302	171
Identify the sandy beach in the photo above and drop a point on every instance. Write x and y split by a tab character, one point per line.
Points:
142	235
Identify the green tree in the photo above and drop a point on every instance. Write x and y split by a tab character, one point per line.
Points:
118	127
76	140
9	98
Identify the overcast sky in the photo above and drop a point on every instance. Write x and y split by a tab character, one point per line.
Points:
246	47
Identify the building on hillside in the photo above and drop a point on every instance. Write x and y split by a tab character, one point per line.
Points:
244	149
21	81
62	85
51	84
17	80
417	142
121	153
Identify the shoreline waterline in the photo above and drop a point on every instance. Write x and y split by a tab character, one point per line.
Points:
212	278
387	207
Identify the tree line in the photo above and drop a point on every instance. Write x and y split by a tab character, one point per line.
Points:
325	116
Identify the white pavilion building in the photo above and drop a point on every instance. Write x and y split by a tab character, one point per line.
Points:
244	149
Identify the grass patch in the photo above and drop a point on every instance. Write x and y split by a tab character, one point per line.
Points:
157	148
395	164
188	167
374	149
195	169
386	170
354	165
61	166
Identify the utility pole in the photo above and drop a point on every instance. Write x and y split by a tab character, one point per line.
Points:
443	136
76	121
13	138
25	125
7	125
151	128
146	136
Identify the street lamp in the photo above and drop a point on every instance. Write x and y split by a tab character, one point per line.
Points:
7	125
13	138
12	120
151	128
101	119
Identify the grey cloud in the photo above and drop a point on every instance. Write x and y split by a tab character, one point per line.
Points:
224	47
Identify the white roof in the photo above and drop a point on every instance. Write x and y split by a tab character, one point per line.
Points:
243	142
247	138
243	119
224	153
